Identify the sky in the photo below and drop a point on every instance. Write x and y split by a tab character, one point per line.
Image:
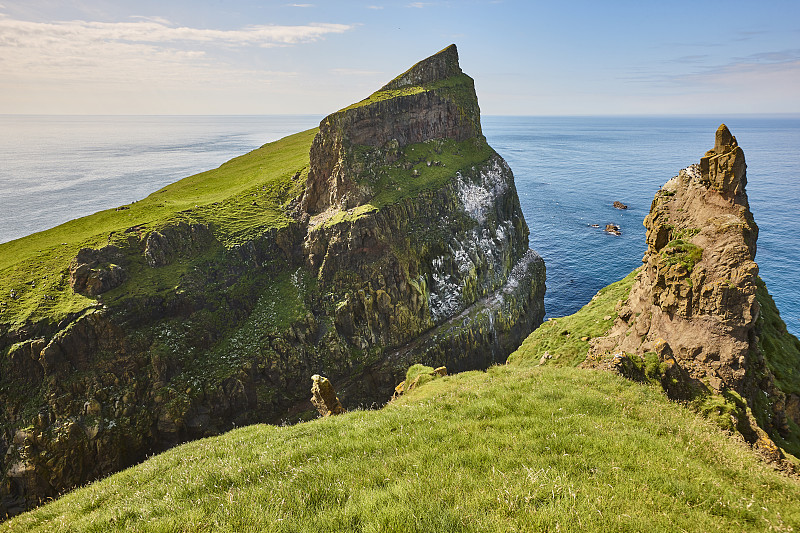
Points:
230	57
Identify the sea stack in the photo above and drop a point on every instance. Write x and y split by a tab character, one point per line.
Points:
695	300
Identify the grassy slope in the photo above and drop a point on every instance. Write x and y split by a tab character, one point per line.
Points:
781	351
518	448
240	199
566	339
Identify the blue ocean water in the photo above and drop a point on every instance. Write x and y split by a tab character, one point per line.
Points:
568	172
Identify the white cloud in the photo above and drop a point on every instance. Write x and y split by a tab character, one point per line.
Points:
300	5
76	59
41	35
374	7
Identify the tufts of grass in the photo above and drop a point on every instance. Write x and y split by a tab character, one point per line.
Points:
414	371
517	448
566	339
679	251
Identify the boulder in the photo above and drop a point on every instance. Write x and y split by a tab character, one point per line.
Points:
324	398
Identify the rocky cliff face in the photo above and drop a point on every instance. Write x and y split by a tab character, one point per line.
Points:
407	245
694	302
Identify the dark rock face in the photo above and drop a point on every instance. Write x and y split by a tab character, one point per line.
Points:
164	246
354	291
94	272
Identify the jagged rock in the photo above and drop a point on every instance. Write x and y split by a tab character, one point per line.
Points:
694	299
698	281
723	167
324	398
94	272
613	229
619	205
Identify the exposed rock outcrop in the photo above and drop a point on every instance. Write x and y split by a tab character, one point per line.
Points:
94	272
694	300
324	398
180	240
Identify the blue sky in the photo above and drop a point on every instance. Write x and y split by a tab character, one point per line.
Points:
527	58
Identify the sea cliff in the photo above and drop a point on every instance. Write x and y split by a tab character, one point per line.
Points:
391	235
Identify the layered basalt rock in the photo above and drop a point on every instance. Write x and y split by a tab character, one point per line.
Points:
694	302
408	245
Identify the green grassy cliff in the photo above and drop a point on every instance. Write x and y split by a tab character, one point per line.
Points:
391	235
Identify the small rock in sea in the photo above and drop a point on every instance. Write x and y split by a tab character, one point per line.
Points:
595	225
613	229
619	205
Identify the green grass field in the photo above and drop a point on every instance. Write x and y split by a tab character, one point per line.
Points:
516	448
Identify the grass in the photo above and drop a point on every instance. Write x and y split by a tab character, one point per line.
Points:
513	449
239	200
679	251
411	174
566	339
780	348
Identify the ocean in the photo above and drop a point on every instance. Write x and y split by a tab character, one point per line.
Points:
568	170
